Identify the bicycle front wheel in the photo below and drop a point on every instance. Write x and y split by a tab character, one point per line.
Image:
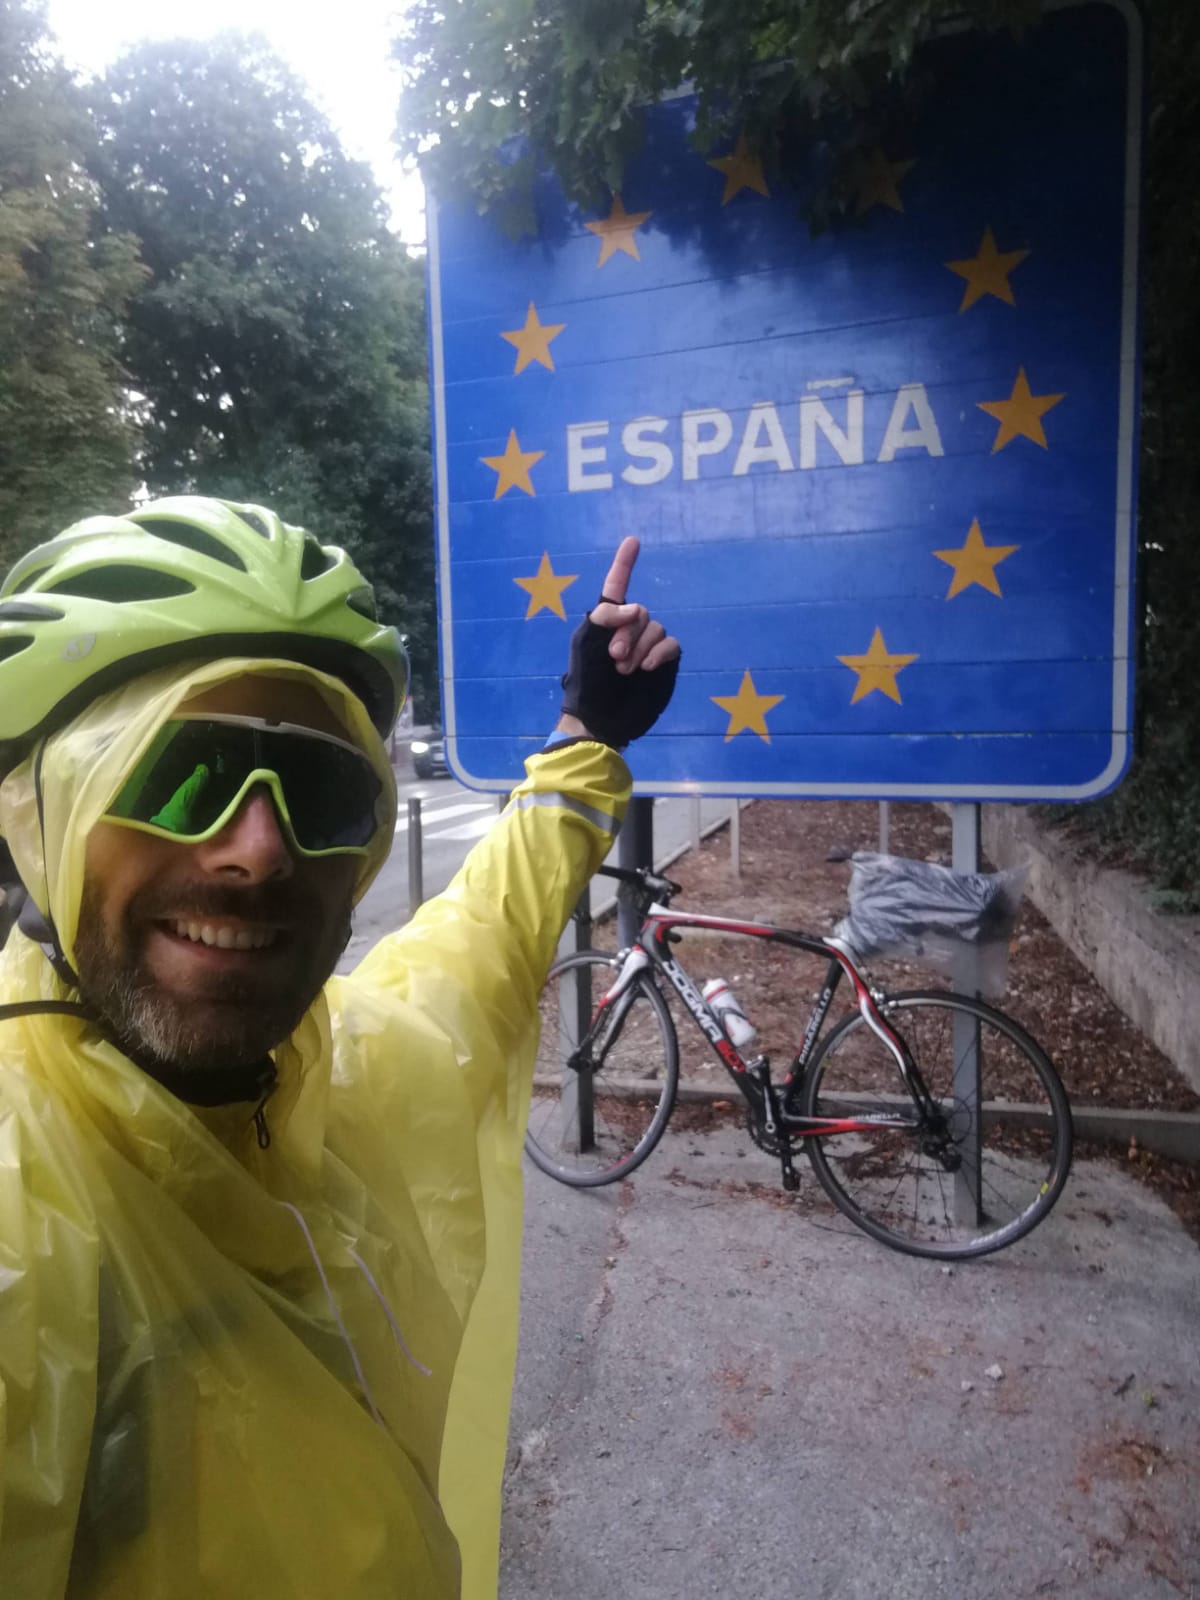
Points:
977	1173
601	1099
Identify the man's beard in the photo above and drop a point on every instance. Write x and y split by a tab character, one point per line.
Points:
236	1018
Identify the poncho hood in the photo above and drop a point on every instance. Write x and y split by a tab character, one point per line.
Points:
50	803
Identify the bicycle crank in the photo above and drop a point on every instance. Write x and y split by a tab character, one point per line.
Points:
773	1146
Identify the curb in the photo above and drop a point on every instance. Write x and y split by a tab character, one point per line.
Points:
1175	1134
1166	1133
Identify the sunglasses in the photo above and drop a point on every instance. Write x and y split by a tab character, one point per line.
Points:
199	769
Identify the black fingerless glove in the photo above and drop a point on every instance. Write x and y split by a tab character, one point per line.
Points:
616	707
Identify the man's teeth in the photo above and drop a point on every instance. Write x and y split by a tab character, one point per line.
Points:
225	937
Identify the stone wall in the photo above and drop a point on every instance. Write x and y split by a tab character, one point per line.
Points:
1147	962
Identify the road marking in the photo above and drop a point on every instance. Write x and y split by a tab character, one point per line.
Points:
466	830
444	813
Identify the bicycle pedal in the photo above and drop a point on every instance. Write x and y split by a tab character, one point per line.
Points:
791	1179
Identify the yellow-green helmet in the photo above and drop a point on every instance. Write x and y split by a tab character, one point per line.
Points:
182	579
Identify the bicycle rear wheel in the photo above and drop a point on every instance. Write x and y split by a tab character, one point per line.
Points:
984	1170
597	1113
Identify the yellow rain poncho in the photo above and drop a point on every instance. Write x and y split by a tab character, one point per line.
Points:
229	1371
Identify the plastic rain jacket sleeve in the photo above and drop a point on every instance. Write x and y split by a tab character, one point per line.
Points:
262	1373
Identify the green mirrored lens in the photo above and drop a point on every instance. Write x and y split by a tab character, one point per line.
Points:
180	812
196	768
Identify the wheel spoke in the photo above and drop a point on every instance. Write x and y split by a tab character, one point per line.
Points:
904	1192
594	1125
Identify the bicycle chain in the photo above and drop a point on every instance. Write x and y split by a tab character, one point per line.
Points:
764	1140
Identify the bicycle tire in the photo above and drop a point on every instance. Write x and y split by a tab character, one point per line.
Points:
633	1090
896	1187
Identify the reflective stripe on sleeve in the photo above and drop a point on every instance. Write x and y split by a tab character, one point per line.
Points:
603	820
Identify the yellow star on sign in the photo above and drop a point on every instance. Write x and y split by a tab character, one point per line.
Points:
876	670
743	170
976	562
545	589
1020	416
747	709
878	182
512	468
987	273
532	342
617	230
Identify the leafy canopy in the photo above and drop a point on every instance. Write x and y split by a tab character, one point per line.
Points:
279	340
66	433
569	76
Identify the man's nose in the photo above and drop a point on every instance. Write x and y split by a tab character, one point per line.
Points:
252	845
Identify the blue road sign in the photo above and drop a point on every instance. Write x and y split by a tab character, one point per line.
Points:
884	477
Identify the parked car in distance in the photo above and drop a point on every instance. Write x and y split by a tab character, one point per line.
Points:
429	754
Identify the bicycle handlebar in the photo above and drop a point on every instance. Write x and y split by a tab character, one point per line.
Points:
652	884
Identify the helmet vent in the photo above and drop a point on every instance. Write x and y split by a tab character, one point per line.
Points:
29	579
253	520
121	582
14	644
315	560
363	601
28	611
191	537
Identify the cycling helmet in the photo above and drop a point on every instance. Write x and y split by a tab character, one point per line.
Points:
182	579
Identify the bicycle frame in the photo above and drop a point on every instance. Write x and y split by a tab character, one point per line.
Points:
651	950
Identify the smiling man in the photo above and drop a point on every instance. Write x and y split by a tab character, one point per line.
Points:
203	957
260	1227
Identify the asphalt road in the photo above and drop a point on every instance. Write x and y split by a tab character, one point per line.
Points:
726	1391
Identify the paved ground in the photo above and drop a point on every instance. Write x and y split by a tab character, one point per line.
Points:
723	1391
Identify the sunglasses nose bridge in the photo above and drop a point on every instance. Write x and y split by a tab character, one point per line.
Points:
255	835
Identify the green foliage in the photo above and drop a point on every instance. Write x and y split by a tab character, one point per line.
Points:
1154	817
569	78
66	435
279	340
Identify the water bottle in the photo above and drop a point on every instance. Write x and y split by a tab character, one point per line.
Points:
739	1030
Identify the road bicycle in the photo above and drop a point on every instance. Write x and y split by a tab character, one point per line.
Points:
932	1120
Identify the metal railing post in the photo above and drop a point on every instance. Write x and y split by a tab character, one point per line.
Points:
416	862
964	1033
575	1013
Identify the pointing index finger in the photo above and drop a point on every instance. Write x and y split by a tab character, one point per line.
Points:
616	584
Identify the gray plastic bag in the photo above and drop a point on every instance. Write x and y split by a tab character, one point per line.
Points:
959	923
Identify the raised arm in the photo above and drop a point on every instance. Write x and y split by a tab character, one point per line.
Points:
487	942
471	965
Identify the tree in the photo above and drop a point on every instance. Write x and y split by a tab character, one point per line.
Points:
568	78
279	342
1155	814
67	437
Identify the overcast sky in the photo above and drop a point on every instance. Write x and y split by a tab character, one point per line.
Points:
340	50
